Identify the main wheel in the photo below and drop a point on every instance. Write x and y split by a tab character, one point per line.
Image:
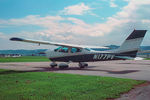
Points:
82	64
63	66
53	65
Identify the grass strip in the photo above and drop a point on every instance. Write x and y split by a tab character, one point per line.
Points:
24	59
19	85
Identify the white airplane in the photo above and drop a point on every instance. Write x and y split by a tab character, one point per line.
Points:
68	53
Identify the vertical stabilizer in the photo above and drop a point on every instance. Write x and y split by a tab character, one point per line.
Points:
131	45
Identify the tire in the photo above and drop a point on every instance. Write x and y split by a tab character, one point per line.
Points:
83	65
53	65
63	66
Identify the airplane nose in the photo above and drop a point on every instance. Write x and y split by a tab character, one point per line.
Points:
49	53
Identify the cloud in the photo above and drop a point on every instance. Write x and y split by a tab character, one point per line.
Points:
78	9
2	36
126	0
73	30
66	28
32	20
133	13
112	4
146	21
56	25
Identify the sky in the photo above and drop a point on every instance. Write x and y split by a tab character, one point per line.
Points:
82	22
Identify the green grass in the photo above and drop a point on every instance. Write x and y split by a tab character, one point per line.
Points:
25	59
15	85
147	59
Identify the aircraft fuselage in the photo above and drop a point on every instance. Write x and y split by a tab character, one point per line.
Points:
84	56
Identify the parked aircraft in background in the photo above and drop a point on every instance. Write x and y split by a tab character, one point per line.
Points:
68	53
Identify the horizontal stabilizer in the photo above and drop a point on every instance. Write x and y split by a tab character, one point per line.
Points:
125	57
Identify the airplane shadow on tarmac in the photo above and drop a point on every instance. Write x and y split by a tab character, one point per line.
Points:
48	69
135	63
88	69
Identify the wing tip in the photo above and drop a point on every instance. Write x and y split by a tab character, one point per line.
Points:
16	39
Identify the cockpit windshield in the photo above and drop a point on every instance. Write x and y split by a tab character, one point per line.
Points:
66	50
57	49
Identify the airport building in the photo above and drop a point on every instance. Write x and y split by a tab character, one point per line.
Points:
10	55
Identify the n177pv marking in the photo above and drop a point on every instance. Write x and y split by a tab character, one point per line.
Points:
103	56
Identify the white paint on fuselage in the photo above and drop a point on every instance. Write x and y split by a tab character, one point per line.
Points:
54	54
127	46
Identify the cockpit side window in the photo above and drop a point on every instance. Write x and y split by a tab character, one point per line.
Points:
66	50
74	50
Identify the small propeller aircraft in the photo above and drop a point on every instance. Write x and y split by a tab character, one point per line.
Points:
68	53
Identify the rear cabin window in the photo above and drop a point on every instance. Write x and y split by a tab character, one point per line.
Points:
87	49
74	50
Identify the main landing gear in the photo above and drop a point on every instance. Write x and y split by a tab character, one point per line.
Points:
61	65
53	65
82	64
65	65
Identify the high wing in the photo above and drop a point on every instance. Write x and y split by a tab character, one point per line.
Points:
54	43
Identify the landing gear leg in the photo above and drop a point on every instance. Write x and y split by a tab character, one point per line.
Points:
53	65
82	64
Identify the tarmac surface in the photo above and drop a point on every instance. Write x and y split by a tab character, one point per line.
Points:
141	92
132	69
